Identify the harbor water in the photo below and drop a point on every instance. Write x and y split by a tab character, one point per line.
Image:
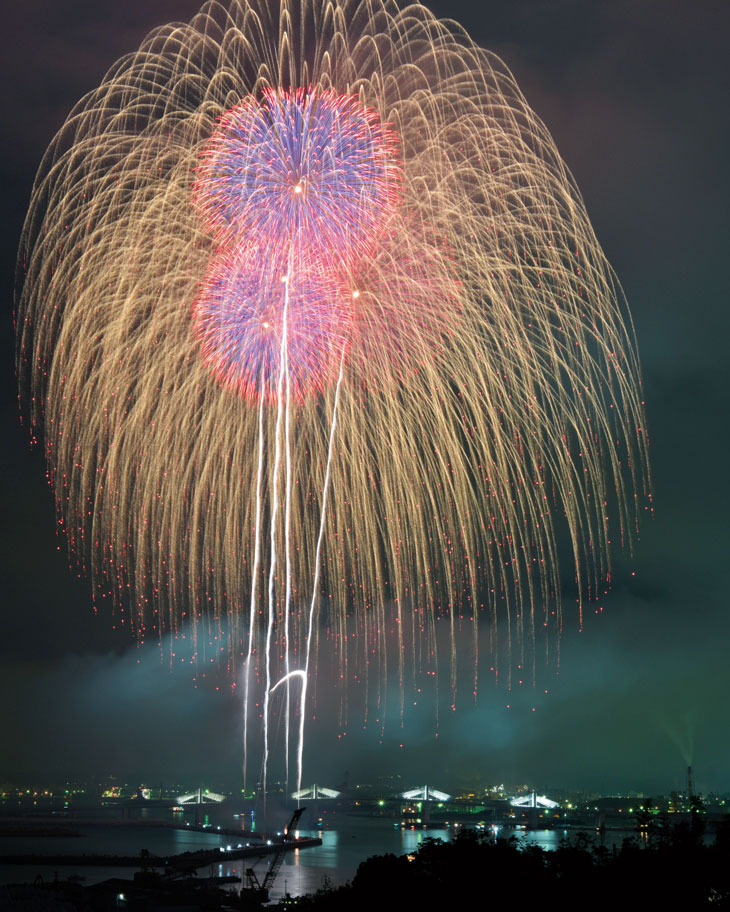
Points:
346	842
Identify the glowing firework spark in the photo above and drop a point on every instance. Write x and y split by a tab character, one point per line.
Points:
313	315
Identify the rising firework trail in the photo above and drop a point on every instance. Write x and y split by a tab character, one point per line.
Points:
321	340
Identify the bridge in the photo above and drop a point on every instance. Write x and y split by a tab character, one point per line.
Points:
201	796
533	800
425	793
314	793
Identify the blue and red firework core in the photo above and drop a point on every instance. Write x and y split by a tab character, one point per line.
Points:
311	168
301	185
239	316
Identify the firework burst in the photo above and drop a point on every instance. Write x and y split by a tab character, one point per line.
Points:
316	325
238	317
304	168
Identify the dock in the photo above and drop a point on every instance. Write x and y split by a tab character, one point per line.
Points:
183	861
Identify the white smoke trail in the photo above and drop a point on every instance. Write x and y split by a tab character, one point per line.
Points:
254	584
274	516
315	584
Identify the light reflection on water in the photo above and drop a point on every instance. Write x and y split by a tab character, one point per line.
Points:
342	850
303	870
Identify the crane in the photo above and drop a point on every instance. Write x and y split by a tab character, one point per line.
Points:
257	893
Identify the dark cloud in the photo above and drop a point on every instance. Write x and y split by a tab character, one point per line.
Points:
95	715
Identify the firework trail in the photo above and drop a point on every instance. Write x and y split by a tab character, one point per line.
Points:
316	268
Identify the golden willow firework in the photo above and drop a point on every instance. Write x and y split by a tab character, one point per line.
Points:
453	379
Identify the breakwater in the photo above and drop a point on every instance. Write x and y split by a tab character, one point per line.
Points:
181	861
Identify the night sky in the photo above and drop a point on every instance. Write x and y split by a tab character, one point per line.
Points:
635	96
